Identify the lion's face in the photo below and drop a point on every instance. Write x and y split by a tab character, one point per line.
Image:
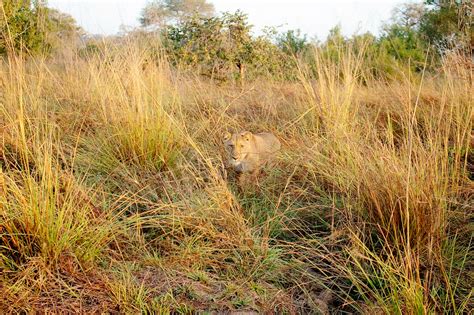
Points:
238	146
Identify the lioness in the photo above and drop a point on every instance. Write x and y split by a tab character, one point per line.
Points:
248	151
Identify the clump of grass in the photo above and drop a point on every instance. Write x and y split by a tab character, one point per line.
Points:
49	218
51	226
137	130
397	194
150	143
128	294
44	210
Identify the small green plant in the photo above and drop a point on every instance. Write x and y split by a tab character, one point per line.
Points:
199	276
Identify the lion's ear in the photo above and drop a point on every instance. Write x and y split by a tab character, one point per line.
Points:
227	135
247	135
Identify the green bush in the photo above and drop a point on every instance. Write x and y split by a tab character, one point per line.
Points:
404	45
448	25
223	48
33	27
292	42
20	26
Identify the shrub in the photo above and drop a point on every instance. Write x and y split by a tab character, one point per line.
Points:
33	27
223	48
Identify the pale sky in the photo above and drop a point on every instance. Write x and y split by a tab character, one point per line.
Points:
313	17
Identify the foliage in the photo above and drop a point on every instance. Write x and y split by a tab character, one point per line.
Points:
408	15
404	45
61	28
162	12
20	26
292	42
222	47
448	25
33	27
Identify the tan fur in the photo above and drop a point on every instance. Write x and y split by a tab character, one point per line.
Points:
248	152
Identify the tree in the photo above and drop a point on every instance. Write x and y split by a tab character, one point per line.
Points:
401	40
20	26
61	29
448	25
292	42
408	15
222	47
404	44
31	26
215	43
162	12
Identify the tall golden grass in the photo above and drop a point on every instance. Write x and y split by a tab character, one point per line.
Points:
114	195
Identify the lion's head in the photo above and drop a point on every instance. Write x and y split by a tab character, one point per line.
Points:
247	151
238	146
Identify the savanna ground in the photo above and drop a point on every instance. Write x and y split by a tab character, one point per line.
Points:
115	197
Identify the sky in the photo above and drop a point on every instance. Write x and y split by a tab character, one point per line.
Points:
313	17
